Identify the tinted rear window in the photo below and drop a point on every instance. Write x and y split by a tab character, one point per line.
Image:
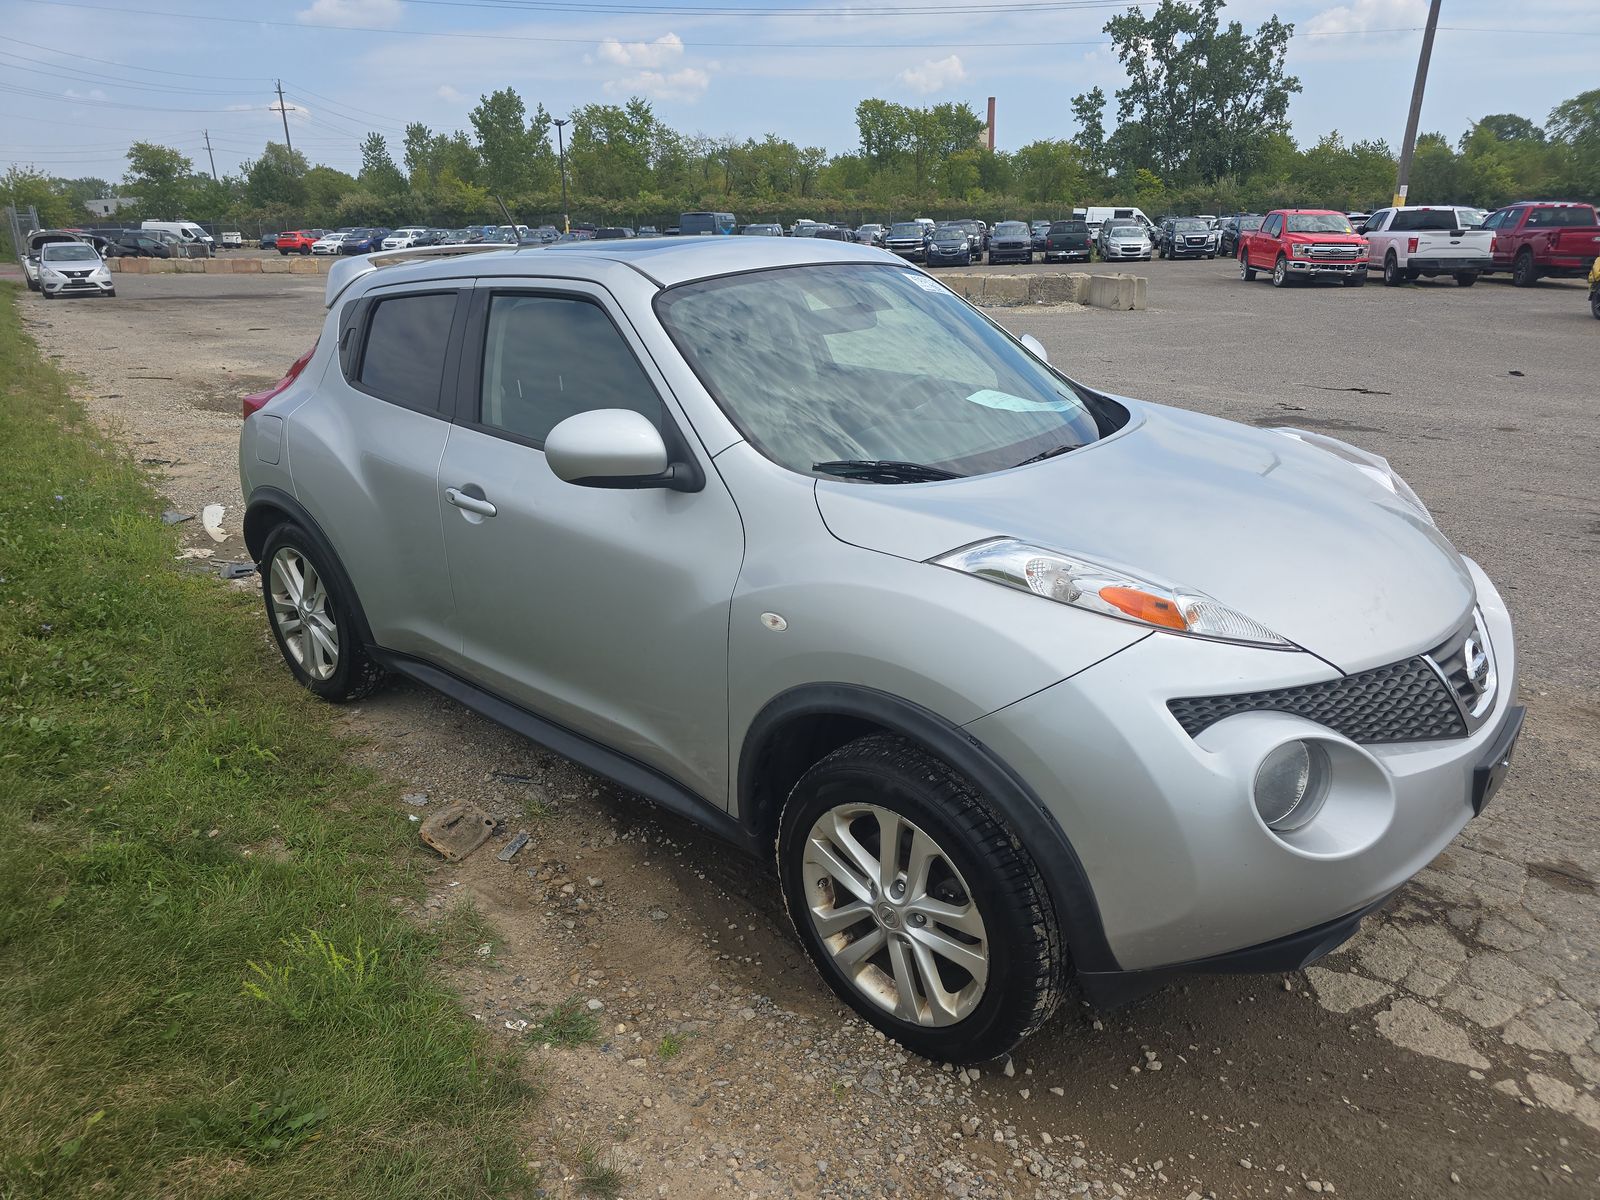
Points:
1425	218
1070	227
404	358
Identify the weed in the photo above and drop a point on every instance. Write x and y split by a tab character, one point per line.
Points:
567	1024
671	1045
598	1176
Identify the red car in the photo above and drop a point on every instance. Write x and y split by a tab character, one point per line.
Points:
1537	238
1304	243
298	242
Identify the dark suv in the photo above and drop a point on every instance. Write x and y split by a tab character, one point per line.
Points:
1067	241
1233	226
1010	241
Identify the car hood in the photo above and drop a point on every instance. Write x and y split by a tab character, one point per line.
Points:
1290	535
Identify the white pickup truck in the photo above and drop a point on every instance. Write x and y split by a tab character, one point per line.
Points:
1408	243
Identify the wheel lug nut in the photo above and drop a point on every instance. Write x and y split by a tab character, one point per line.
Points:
899	888
918	920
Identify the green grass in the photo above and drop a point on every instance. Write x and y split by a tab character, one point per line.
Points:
671	1045
205	990
598	1176
567	1024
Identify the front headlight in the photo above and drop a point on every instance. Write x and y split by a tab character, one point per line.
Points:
1373	466
1109	591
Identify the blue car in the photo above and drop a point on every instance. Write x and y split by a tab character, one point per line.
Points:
363	241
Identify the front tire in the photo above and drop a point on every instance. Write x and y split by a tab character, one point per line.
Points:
1594	303
312	621
1524	273
920	909
1246	271
1280	272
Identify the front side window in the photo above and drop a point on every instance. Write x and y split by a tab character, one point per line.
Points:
847	362
547	358
403	362
1273	225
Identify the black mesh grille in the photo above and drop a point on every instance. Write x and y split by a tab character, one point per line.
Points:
1402	702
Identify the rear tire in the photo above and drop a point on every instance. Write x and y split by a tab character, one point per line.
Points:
1594	303
1523	272
312	621
913	982
1466	278
1391	271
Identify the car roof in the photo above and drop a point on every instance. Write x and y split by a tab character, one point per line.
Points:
666	261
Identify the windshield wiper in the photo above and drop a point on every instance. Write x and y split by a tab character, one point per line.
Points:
1044	454
883	470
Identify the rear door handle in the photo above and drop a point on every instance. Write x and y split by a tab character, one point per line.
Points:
484	508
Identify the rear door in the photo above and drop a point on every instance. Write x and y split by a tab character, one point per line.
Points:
604	610
365	458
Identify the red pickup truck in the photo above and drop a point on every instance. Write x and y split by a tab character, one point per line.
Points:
1538	238
1304	243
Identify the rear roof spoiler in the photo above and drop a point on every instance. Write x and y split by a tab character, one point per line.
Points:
347	270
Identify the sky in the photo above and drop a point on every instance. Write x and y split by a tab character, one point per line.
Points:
80	80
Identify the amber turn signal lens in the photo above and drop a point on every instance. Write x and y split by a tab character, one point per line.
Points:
1156	610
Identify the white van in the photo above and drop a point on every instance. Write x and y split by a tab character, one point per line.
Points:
187	232
1097	217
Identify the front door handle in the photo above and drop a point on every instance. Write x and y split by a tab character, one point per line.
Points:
473	504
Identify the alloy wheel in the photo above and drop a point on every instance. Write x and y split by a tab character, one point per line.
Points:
1280	272
303	613
895	915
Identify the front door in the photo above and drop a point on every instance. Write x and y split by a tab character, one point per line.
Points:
604	610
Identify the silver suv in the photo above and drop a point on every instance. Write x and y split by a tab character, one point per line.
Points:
1017	681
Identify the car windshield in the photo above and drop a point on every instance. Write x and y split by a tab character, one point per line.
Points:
1010	228
68	252
846	362
1127	231
1190	225
906	229
1319	223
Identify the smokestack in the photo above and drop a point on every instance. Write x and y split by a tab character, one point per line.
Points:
991	123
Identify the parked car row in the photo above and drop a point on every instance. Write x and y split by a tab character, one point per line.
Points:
65	262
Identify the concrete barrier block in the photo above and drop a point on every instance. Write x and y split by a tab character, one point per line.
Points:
1056	289
132	266
1117	292
304	266
274	266
246	266
968	287
324	265
1005	291
1140	286
217	266
190	266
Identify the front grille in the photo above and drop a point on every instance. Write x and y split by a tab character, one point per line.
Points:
1402	702
1332	250
1466	660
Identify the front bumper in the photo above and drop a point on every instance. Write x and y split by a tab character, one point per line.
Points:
1129	252
1187	251
1342	267
76	287
1182	868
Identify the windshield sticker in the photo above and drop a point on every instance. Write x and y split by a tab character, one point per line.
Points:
1006	402
926	284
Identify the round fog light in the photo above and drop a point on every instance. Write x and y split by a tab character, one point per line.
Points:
1290	785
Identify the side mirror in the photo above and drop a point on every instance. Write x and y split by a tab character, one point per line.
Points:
1035	347
612	448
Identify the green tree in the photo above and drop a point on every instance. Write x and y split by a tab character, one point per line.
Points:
885	130
379	176
277	177
1090	110
324	188
1507	127
1203	95
1050	171
514	149
1575	125
161	177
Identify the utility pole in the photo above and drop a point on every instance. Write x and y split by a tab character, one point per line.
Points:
1403	182
284	113
207	134
561	148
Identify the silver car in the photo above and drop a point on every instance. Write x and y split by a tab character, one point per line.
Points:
1015	680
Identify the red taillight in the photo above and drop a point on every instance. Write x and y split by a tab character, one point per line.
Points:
255	401
1411	245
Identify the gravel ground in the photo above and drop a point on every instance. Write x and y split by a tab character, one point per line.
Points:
1451	1049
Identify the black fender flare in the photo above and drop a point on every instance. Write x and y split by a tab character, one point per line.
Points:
1071	896
269	507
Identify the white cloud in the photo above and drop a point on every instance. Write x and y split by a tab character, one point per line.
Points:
688	84
665	49
91	94
381	13
933	75
1362	15
446	92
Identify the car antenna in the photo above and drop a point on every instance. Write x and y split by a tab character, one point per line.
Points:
510	220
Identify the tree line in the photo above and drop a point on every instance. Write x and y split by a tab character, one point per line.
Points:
1201	126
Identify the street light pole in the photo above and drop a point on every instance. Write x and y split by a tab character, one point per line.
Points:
561	148
1403	181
